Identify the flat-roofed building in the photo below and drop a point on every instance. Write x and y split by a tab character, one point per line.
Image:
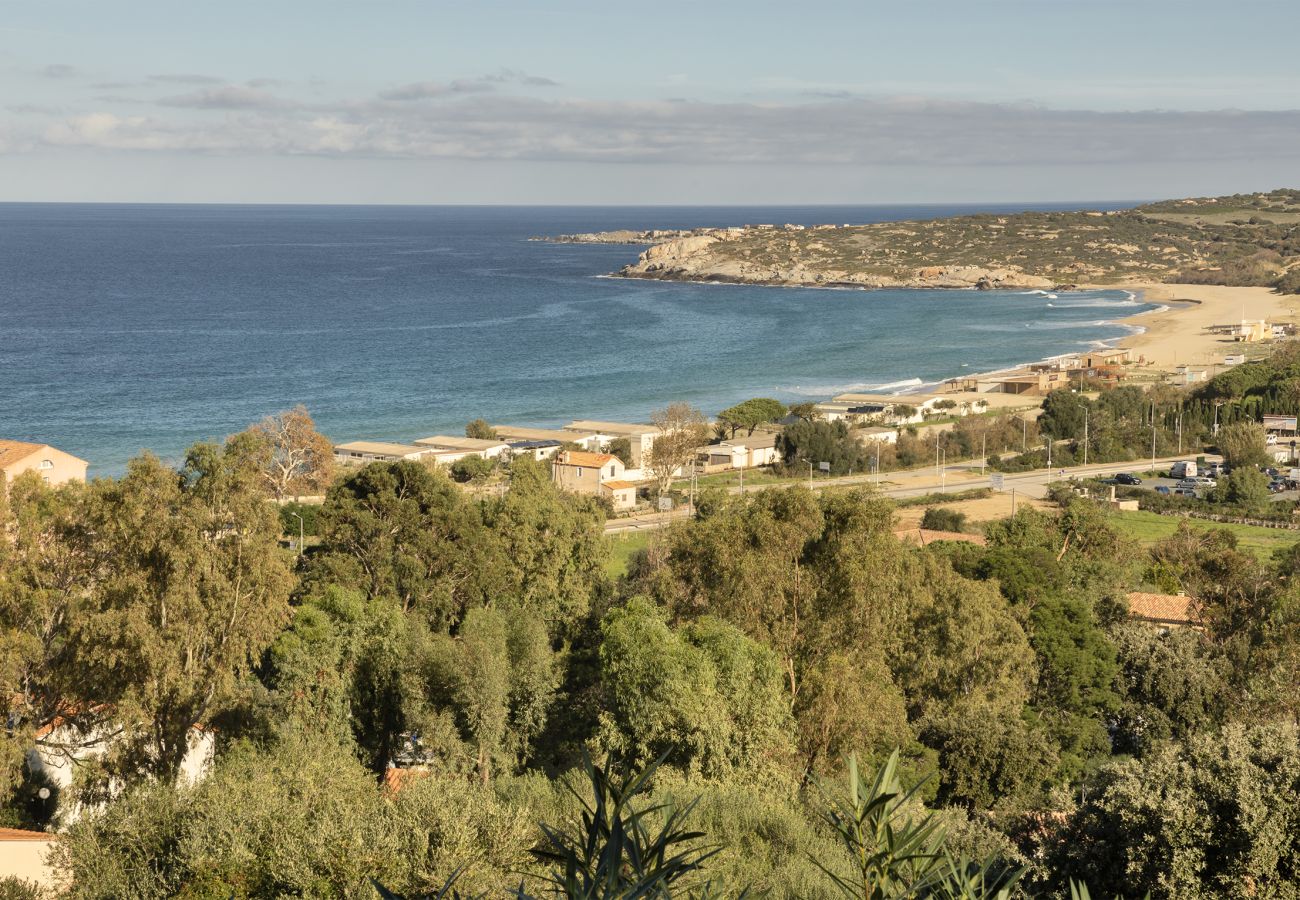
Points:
641	437
587	440
52	464
535	449
876	433
488	449
358	453
744	453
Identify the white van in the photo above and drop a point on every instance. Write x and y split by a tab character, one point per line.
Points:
1183	469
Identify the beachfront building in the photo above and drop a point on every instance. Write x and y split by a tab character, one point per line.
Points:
877	433
1105	356
743	453
535	449
640	436
587	440
1189	375
449	448
52	464
598	474
360	453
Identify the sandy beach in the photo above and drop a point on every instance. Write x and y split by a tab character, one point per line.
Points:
1178	335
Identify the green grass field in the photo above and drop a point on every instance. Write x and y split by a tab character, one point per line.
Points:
1148	527
622	547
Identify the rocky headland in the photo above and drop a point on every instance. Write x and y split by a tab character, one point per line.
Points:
1249	239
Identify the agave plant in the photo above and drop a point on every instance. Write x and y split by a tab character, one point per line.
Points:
620	849
892	854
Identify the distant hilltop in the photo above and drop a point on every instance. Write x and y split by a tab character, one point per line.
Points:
1245	239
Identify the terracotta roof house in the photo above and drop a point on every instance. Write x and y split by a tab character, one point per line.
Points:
1164	610
53	465
588	473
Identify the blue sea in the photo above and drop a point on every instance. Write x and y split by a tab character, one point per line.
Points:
125	328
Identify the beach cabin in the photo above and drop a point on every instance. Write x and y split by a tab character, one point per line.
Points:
360	453
743	453
464	446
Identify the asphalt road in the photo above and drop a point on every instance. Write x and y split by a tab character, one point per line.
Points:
916	482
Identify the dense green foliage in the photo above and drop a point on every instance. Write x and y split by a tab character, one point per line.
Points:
411	697
750	414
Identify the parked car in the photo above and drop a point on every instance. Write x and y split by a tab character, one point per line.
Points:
1203	481
1127	478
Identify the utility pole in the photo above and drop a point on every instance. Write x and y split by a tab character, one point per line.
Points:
809	474
742	481
984	450
1180	431
1085	435
943	473
300	531
1013	501
877	463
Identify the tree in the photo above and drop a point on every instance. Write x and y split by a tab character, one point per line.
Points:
1243	444
622	448
480	430
683	429
806	411
751	413
472	468
294	457
818	442
706	696
1216	816
400	531
191	591
1246	487
942	518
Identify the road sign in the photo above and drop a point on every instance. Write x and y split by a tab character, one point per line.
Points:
665	504
995	481
825	467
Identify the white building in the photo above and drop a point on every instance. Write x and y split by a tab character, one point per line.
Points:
452	448
359	453
640	436
745	453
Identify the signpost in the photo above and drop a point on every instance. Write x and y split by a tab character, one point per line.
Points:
995	481
824	467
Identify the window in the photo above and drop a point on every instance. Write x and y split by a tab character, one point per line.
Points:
47	464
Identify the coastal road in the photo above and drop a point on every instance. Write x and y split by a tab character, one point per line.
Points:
918	482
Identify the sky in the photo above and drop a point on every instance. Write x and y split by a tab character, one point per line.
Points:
707	102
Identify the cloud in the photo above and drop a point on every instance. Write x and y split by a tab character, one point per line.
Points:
229	96
901	131
184	78
59	70
426	90
482	84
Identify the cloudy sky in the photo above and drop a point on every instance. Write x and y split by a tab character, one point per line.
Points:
711	101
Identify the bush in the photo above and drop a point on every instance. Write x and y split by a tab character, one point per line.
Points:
937	518
472	468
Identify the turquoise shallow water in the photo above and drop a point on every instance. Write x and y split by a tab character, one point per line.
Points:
132	327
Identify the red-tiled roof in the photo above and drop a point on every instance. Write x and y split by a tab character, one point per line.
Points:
615	485
1174	609
396	778
20	834
15	451
584	460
